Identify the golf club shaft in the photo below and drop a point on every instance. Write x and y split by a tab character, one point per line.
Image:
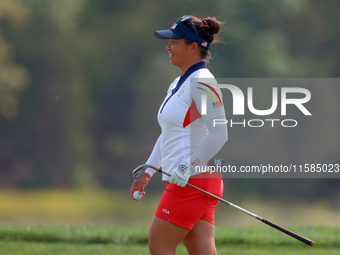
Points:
218	198
269	223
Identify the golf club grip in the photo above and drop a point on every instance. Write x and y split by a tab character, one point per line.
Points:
288	232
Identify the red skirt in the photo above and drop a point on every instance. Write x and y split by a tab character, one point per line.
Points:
184	206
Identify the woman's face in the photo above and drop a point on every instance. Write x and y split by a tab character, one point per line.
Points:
178	51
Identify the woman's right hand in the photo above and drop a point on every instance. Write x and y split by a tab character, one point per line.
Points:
139	185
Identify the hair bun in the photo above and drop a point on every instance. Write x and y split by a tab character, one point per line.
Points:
211	25
207	28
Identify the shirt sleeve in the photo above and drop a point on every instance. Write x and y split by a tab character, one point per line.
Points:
155	158
217	137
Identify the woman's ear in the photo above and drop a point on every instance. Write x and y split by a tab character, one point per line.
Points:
194	47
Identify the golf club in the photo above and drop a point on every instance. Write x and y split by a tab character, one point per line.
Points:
138	172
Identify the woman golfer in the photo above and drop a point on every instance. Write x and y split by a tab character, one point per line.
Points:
188	140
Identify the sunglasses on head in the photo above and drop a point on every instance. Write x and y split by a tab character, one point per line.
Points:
191	23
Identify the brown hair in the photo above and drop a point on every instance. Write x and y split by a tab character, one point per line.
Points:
206	28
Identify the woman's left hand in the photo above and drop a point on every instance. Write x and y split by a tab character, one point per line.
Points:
181	174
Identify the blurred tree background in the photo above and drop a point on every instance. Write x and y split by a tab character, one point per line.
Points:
81	82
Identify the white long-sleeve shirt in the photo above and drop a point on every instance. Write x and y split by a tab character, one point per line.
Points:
188	132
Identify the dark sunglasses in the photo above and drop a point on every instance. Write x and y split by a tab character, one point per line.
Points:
191	23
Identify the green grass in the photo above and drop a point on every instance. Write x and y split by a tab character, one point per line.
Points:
133	240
